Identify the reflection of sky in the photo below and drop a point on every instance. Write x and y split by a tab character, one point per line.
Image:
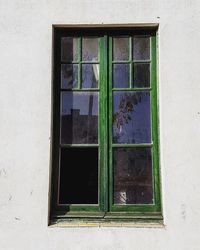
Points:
80	101
120	75
90	75
138	129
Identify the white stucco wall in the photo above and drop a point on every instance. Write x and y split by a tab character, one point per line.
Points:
25	118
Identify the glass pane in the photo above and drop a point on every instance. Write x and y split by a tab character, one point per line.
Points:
132	176
121	75
79	118
69	76
131	117
90	49
141	48
120	49
141	74
90	75
79	176
69	49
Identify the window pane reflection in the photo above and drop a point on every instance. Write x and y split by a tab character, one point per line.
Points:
69	49
90	75
90	49
132	176
141	48
121	75
131	117
141	75
120	49
79	118
69	76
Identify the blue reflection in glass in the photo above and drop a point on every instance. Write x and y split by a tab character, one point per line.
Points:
121	75
79	118
131	117
69	76
90	75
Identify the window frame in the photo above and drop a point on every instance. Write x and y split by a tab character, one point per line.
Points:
105	211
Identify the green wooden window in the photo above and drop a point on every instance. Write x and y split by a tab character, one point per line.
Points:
105	155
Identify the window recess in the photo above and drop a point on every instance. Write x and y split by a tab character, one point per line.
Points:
105	147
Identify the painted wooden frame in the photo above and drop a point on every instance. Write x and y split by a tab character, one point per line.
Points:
106	210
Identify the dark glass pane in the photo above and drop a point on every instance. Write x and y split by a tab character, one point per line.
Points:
90	75
131	117
69	76
69	49
141	74
79	176
120	49
90	49
141	48
132	176
121	75
79	118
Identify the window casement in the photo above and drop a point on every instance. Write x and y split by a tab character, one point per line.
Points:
105	149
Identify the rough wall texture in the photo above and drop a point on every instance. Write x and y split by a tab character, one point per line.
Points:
25	118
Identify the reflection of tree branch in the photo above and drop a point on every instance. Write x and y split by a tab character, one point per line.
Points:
126	107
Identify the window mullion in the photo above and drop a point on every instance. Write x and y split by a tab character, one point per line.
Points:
110	122
103	125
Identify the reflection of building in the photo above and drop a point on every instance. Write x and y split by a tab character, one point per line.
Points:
79	129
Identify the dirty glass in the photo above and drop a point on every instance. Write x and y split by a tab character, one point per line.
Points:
69	76
79	118
90	49
69	49
141	74
90	75
131	117
120	75
120	48
141	48
132	176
